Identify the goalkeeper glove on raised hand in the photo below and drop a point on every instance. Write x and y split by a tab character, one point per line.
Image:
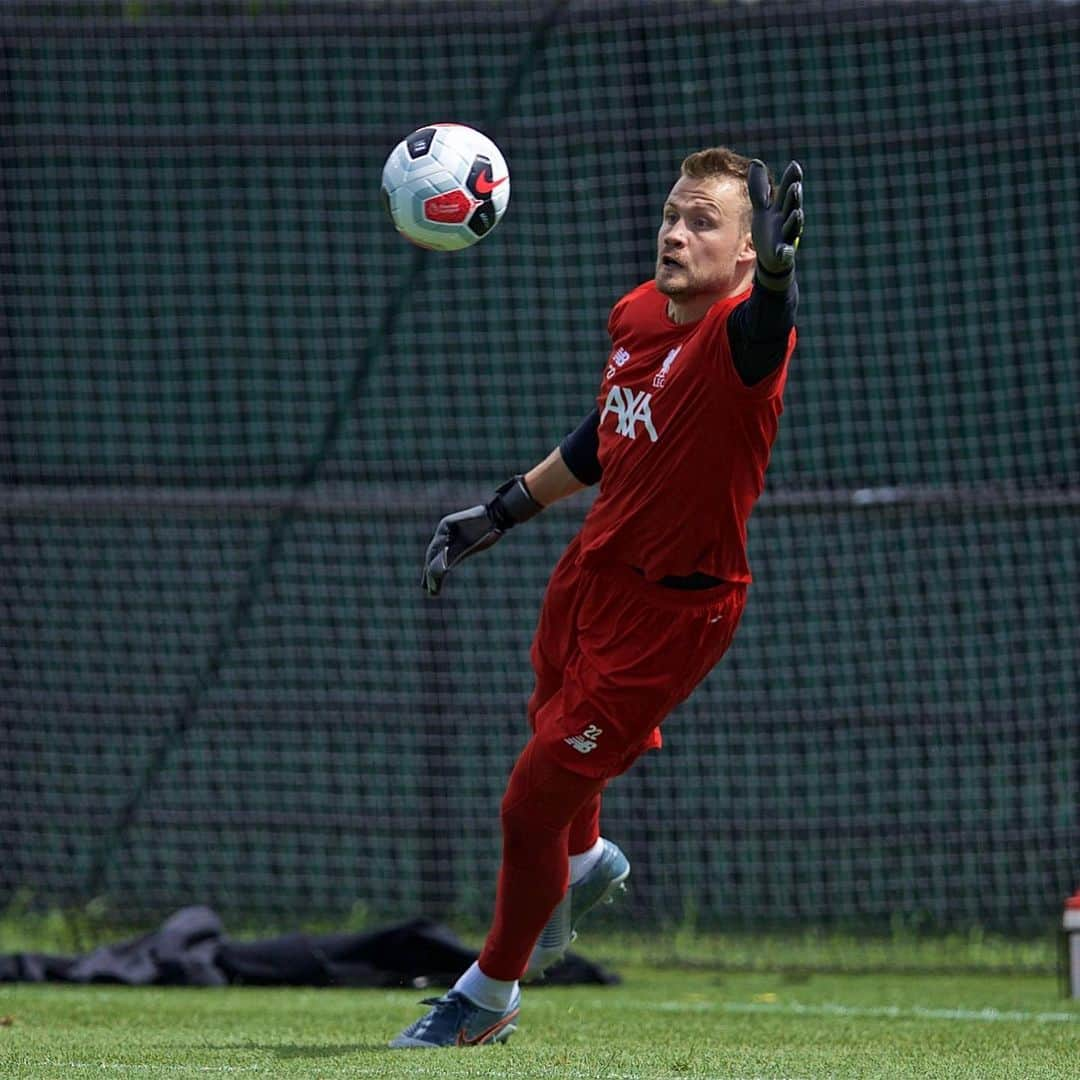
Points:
465	533
777	225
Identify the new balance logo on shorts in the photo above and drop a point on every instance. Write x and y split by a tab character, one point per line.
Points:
630	409
585	743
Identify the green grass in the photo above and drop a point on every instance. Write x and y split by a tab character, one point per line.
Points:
691	1005
660	1023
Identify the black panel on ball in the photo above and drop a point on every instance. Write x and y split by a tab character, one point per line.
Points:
482	180
483	218
419	142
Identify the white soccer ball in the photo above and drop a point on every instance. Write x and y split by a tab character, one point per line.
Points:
445	186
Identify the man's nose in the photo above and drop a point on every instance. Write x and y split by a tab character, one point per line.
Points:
676	234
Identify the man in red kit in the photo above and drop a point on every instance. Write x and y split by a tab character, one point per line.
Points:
646	598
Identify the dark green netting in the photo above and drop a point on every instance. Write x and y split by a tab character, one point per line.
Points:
235	403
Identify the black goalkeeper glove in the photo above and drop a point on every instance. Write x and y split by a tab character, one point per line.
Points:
465	533
777	225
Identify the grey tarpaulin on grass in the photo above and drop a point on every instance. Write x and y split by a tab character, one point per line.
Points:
191	948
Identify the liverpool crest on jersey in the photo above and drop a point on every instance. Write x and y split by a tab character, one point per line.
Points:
665	367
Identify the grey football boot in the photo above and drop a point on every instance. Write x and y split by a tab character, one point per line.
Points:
598	886
455	1020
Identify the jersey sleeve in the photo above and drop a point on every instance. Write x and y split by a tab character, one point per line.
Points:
580	450
615	317
758	331
722	350
772	385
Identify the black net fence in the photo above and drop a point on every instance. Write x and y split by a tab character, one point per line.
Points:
235	403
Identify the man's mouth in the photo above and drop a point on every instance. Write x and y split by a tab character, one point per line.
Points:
670	261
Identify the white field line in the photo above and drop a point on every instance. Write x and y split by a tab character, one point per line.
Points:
885	1012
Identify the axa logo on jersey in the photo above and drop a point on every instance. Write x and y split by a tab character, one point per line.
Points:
630	408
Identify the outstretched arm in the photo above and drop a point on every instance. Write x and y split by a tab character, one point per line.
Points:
758	328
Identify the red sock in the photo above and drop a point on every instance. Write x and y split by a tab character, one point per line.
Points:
585	828
542	800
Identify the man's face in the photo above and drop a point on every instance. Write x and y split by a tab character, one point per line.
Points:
703	247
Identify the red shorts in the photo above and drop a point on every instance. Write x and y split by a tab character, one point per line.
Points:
614	654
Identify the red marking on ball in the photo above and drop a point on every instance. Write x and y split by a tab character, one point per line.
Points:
450	208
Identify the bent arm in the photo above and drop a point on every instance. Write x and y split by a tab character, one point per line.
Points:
461	535
759	328
551	480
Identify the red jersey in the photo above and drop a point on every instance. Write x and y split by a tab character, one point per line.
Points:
684	443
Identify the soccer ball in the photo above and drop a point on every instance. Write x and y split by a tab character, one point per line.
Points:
445	186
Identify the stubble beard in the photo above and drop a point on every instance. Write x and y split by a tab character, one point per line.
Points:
683	286
679	292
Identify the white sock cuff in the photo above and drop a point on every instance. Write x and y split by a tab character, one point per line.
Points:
581	864
488	993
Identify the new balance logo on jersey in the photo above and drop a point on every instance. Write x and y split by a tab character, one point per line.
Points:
618	358
630	409
665	367
585	743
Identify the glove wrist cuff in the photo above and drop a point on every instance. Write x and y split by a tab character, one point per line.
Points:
774	282
512	504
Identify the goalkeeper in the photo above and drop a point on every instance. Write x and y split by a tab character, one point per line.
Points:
646	598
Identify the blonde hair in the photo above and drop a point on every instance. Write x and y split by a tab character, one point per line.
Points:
718	163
